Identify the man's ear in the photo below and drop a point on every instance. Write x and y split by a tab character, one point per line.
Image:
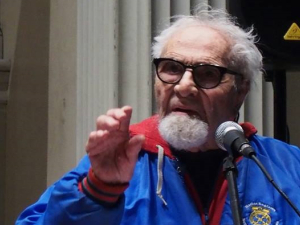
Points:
244	86
243	89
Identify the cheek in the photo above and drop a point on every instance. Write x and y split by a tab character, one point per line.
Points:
162	94
229	107
158	93
220	104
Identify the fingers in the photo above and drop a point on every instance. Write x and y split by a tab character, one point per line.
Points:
134	147
94	139
115	119
112	130
108	123
111	151
125	122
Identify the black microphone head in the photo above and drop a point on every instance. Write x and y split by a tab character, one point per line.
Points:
222	131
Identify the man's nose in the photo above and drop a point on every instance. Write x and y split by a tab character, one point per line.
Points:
186	87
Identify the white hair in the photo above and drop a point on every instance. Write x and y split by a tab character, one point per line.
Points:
244	56
183	132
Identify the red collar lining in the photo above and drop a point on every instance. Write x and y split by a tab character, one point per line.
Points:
149	128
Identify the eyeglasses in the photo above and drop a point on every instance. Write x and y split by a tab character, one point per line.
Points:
206	76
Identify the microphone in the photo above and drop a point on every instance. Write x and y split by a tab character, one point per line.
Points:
230	137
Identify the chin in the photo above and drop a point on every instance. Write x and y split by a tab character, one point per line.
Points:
183	131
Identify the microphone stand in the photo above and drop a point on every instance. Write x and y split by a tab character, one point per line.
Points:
230	171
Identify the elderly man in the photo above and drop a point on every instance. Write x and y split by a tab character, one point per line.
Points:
168	168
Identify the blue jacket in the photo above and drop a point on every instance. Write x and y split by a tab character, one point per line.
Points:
161	193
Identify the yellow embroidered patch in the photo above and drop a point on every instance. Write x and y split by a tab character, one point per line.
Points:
260	216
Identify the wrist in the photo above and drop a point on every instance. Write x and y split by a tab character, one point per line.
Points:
100	191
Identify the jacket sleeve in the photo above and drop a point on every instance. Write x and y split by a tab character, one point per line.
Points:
64	203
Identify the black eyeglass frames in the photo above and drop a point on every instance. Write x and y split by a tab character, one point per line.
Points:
206	76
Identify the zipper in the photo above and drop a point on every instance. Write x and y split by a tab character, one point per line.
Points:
206	216
212	194
179	168
204	210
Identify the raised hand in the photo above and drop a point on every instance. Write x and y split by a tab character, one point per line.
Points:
112	152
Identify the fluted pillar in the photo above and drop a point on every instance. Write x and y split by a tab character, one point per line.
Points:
113	61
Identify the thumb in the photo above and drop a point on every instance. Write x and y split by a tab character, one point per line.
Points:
134	147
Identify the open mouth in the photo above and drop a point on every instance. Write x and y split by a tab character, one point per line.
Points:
189	112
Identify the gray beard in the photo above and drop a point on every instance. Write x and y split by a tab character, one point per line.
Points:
182	131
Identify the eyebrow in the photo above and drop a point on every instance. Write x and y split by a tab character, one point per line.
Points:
194	64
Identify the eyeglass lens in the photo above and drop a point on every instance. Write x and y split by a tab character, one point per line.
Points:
205	76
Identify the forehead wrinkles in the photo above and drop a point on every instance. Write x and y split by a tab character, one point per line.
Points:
197	44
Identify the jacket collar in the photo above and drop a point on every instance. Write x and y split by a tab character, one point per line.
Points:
149	128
